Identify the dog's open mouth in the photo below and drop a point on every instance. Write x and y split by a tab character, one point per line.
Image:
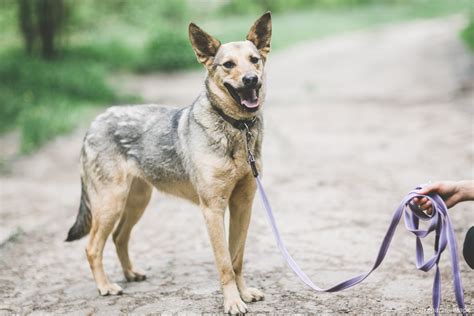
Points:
246	97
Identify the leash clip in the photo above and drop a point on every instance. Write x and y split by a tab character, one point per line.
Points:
248	134
250	157
253	166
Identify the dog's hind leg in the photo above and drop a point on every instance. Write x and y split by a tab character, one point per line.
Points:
137	200
240	206
107	203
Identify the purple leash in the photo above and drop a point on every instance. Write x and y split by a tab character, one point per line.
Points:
439	222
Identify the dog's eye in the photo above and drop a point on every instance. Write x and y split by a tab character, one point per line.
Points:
228	64
254	60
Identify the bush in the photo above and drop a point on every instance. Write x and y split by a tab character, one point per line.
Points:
168	51
43	97
109	54
467	34
68	76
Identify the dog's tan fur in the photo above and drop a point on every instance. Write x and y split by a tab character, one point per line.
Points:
118	188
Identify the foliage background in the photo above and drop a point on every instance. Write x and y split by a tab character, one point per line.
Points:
43	98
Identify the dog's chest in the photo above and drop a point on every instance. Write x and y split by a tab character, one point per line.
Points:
237	154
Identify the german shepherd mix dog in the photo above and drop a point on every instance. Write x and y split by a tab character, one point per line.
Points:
197	153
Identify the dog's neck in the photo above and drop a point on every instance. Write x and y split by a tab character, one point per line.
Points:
238	124
208	114
225	131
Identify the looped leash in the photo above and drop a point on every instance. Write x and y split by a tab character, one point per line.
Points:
439	222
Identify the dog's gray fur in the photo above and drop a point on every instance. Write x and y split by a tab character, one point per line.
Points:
193	152
162	141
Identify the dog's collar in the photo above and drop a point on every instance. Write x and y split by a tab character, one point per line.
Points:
238	124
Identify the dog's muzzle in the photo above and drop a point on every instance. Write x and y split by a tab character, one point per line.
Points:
247	97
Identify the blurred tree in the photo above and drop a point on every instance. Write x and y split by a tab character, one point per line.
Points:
27	27
41	20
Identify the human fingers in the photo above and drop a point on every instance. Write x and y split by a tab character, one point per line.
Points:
420	200
433	187
425	206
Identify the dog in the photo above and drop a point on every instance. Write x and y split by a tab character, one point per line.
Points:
198	153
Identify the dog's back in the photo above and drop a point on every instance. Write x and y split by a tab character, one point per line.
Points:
131	134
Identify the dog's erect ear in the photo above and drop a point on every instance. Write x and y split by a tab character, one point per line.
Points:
260	34
205	46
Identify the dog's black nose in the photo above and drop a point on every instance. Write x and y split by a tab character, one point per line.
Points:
250	80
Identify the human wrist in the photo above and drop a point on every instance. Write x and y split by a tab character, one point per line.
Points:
466	190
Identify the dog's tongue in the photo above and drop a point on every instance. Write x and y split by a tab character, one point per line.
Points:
249	99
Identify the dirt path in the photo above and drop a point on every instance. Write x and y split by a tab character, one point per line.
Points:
352	124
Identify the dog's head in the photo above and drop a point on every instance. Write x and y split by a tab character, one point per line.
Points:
235	69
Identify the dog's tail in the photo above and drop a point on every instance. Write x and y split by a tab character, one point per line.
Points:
82	226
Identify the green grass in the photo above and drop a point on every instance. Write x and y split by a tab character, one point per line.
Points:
45	99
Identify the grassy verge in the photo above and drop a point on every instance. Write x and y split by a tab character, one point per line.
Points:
45	99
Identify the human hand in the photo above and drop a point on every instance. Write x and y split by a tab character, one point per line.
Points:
452	192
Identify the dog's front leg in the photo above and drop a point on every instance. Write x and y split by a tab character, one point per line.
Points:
214	217
240	205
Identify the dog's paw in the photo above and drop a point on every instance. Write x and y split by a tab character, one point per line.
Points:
235	306
251	294
110	289
135	276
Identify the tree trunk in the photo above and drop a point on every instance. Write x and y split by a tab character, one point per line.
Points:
27	27
41	20
50	16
